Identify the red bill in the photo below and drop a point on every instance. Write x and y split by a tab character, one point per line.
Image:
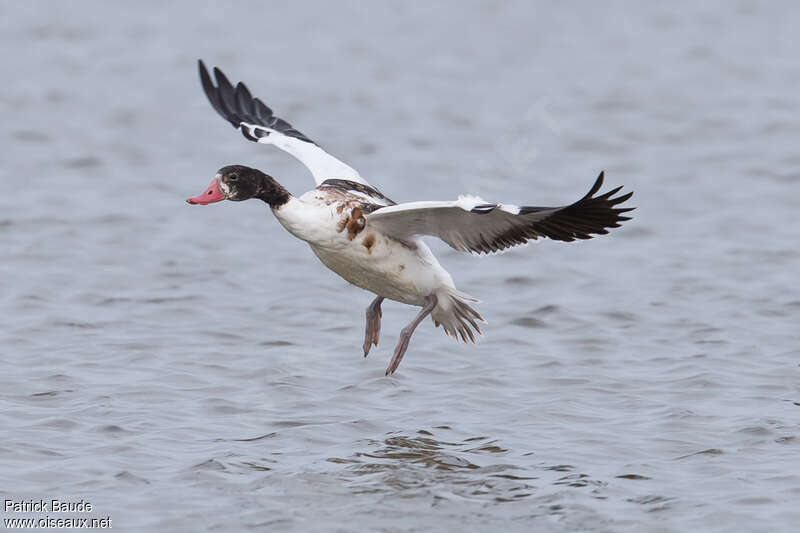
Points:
212	194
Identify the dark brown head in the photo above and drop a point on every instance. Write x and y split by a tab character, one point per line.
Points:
238	183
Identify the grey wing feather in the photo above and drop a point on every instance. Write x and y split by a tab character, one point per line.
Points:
472	225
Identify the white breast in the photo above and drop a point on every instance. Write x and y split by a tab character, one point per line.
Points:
366	258
307	219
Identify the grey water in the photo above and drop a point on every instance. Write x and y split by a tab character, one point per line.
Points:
191	368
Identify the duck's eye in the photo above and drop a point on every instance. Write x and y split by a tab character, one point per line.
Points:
233	177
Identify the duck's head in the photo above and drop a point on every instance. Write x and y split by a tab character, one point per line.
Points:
238	183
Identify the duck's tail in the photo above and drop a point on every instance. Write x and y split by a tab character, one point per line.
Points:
456	316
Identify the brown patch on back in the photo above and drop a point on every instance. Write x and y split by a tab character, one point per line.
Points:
369	242
356	223
346	187
340	208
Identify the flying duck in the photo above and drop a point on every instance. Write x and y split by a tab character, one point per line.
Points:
375	243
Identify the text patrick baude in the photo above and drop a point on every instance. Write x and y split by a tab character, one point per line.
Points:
46	506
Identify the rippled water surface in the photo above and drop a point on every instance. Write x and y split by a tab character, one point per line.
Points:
187	368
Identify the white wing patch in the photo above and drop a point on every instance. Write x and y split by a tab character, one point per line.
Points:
322	165
468	203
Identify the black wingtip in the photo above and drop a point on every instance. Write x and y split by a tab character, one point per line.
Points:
210	89
219	75
237	105
620	199
589	215
202	71
596	186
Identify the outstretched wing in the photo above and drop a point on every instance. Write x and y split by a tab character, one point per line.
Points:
469	224
258	124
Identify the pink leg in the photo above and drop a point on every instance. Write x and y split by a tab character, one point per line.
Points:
405	335
373	332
